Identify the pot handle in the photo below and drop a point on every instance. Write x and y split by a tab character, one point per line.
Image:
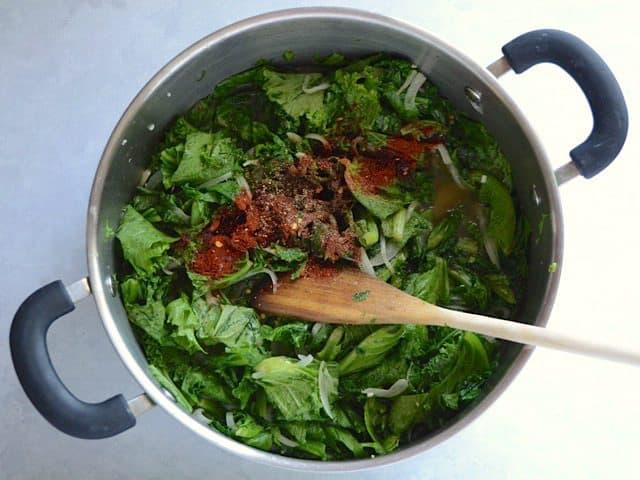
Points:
588	69
28	342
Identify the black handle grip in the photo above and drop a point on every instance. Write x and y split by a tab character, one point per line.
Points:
28	341
586	67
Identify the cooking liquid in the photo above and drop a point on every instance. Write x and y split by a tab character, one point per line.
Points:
448	195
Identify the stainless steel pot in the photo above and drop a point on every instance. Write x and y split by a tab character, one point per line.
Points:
193	74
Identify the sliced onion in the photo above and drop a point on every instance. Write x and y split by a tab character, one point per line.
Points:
294	137
408	81
305	360
287	442
365	264
199	416
489	244
250	162
320	138
383	253
317	88
244	185
217	180
324	380
391	250
412	91
394	390
274	279
316	328
144	177
268	271
231	423
446	159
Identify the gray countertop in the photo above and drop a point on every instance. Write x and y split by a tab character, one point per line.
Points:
69	69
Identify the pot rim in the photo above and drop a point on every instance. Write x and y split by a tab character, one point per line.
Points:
99	278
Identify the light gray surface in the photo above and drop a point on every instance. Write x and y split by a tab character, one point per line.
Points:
68	71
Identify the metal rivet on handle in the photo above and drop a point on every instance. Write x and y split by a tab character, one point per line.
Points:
475	98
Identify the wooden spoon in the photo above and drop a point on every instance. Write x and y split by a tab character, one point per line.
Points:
353	297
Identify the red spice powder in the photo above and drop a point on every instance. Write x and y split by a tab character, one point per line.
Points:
375	173
243	200
407	149
218	260
250	223
314	269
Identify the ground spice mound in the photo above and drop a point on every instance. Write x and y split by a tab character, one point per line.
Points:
306	204
302	205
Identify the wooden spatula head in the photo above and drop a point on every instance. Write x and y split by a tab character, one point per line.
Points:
348	296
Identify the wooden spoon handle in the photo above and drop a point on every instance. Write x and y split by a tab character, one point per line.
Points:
351	297
537	336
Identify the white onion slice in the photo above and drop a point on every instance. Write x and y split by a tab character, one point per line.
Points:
408	81
294	137
244	185
274	279
316	328
217	180
324	379
271	273
250	162
144	177
317	88
231	423
412	91
391	249
489	244
287	442
320	138
305	360
383	253
446	159
394	390
198	415
365	264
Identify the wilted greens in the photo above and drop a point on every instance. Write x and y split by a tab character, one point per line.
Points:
299	171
